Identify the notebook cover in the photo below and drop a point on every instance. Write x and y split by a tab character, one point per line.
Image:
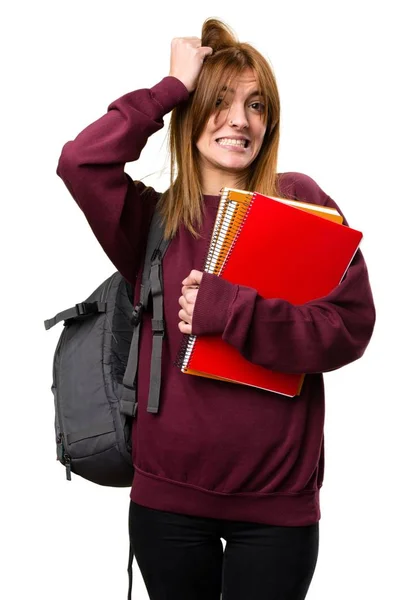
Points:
310	255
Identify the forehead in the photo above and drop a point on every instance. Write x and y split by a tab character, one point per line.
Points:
245	83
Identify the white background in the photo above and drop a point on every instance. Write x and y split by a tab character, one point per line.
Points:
348	76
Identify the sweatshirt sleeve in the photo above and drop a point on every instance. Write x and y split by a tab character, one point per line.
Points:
118	209
318	336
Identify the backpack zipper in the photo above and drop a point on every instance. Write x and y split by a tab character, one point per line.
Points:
65	458
67	463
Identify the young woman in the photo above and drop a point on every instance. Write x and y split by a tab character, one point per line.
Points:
218	460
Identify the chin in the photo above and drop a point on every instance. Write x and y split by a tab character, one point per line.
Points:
235	165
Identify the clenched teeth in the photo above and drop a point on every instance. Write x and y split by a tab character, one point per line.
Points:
230	142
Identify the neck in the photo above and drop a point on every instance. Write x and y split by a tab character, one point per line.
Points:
213	180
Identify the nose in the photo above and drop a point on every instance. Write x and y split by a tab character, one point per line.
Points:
237	116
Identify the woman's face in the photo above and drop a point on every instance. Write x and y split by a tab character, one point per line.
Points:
232	139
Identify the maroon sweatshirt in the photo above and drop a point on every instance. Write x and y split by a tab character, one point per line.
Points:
217	449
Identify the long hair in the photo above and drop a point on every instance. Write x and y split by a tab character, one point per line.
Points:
182	203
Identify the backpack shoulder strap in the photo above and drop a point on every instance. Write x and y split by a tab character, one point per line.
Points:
151	284
155	243
158	326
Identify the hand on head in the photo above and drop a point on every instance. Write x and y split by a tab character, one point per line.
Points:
187	56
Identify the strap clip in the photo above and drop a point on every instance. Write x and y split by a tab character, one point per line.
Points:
128	408
158	327
86	308
136	315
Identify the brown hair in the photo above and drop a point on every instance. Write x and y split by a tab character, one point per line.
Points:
182	202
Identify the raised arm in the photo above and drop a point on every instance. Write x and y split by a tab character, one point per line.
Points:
119	210
92	167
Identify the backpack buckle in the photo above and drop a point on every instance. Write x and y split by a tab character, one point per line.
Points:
158	327
136	315
127	408
84	308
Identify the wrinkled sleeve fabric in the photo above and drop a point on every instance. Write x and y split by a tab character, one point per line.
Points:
118	209
315	337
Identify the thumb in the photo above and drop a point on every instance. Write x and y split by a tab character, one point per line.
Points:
205	51
194	278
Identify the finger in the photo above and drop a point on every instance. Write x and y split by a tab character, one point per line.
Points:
198	275
190	294
188	281
187	300
184	304
190	38
184	316
185	328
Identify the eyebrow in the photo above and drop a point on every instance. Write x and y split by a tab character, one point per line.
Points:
251	95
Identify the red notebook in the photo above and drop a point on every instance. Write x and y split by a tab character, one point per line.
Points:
309	254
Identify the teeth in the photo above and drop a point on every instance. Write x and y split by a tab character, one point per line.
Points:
230	142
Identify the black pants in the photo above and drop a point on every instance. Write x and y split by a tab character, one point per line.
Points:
181	557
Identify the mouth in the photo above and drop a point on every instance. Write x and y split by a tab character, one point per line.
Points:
237	143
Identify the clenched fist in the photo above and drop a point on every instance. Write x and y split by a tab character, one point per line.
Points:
189	292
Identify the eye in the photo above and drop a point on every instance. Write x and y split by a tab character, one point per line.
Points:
219	101
258	106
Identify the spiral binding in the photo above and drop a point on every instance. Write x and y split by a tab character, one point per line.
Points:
185	352
216	230
234	207
247	207
233	211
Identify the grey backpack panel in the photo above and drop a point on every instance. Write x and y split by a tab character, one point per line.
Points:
95	371
89	363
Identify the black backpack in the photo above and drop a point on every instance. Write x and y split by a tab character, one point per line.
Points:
95	371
